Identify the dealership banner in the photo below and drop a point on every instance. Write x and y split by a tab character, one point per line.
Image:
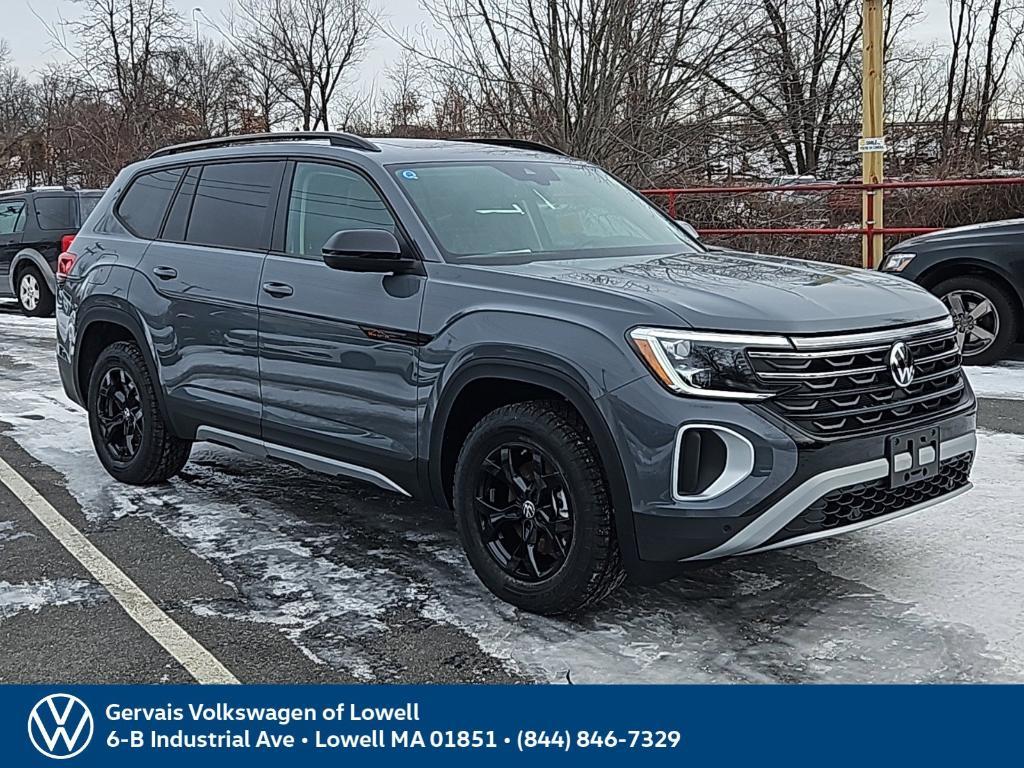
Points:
494	725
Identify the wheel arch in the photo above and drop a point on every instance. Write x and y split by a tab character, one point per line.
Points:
25	257
535	378
99	326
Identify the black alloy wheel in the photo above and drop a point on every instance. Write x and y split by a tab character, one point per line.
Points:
120	414
524	511
533	509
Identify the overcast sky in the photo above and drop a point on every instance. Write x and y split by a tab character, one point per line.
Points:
31	48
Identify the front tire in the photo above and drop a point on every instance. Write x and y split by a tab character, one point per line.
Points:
984	315
131	438
533	510
34	296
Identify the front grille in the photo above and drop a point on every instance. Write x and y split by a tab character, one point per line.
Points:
847	389
873	499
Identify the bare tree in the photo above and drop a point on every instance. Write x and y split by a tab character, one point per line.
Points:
16	113
210	88
305	48
1001	46
604	79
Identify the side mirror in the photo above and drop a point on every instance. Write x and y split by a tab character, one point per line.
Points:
688	228
365	250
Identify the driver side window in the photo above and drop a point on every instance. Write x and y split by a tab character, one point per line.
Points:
326	199
12	218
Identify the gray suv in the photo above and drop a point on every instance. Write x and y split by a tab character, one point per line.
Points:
512	334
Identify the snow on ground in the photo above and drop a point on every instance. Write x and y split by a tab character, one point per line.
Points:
1004	380
933	597
36	595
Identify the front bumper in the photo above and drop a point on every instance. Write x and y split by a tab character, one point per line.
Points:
798	489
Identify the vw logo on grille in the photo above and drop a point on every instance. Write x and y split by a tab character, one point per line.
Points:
901	364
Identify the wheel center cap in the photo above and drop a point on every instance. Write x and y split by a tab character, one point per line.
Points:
529	510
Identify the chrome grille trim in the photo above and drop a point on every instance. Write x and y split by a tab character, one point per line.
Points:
801	375
847	389
905	333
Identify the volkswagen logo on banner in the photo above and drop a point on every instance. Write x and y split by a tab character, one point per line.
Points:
901	364
60	726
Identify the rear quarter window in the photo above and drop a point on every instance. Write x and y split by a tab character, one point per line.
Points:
86	205
143	206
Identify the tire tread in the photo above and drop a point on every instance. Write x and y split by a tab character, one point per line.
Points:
167	454
561	421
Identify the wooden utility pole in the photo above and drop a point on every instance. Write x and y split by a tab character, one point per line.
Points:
873	127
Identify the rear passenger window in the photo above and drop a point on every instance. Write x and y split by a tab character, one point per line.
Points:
56	213
326	199
143	206
233	205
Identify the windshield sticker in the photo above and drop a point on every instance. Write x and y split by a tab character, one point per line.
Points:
409	175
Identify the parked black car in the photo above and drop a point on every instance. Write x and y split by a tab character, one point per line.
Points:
513	334
37	224
978	272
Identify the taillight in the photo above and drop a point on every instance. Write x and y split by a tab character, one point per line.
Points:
64	264
65	243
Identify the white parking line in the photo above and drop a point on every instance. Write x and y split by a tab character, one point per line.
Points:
196	659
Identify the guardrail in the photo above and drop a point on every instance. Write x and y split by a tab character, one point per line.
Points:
850	196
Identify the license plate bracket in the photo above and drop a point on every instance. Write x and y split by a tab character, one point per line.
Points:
913	456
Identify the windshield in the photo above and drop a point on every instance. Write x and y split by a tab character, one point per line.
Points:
522	211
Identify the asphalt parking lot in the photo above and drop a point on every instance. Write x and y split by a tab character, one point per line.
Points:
281	575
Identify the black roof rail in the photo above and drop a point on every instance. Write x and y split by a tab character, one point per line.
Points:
536	146
336	138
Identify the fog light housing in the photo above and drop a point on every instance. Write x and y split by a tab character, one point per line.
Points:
710	460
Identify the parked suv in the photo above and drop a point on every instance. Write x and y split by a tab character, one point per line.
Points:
511	333
36	225
978	272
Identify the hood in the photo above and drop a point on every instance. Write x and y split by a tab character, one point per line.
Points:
726	290
973	233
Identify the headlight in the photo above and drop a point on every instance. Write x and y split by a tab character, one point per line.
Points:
897	262
703	364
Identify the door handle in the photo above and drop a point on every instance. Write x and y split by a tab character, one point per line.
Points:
278	290
165	273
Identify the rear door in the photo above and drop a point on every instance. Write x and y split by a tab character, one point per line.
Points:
338	350
199	283
12	224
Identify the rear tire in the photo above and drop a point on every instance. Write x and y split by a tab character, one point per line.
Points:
979	305
34	296
131	438
555	463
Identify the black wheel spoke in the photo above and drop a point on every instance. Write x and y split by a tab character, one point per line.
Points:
531	558
119	414
522	510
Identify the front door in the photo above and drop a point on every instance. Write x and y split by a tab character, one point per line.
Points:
338	349
203	277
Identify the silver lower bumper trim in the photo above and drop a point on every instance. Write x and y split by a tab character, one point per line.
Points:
818	535
753	538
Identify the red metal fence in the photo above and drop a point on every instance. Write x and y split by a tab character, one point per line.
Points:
798	210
